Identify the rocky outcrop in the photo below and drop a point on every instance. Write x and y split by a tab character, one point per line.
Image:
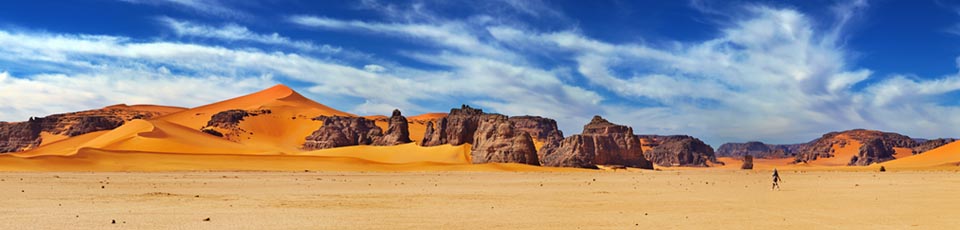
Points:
17	136
20	136
498	141
338	131
540	128
601	143
678	150
873	150
456	128
226	124
495	138
757	149
397	131
927	145
747	162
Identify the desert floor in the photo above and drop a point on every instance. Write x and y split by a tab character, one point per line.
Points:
683	199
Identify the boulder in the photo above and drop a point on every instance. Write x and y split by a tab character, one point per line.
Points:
747	162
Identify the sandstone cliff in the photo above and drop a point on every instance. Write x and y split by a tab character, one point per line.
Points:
600	143
678	150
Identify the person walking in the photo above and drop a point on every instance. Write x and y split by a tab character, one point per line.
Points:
776	180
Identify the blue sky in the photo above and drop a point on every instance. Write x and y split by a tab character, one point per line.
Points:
775	71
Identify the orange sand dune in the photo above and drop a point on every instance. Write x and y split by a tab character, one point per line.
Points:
64	147
47	138
427	117
945	156
418	124
277	98
147	136
902	152
284	130
103	160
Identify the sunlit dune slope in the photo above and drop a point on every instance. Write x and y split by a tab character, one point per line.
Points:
278	98
146	136
945	156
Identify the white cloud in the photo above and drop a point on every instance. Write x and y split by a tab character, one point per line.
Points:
234	32
451	34
208	7
374	68
44	94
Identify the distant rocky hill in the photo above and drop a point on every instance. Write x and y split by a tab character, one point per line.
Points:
757	150
678	150
874	146
20	136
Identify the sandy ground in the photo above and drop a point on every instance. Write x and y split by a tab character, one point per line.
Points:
686	199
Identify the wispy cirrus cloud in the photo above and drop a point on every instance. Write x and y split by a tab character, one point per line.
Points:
206	7
772	74
234	32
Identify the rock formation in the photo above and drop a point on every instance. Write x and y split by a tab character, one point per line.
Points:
495	138
20	136
226	124
678	150
601	143
539	128
757	149
874	149
747	162
397	131
498	141
17	136
338	131
456	128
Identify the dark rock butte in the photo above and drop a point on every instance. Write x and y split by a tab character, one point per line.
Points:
495	138
601	143
678	150
397	131
747	162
